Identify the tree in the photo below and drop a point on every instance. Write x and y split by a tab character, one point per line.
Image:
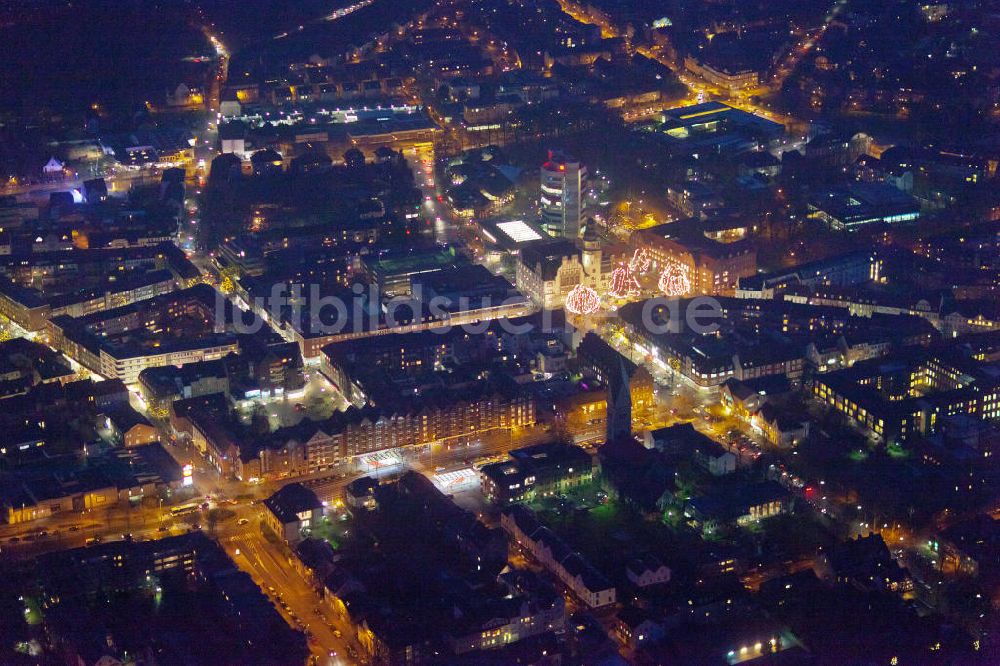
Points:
261	424
216	516
560	430
354	159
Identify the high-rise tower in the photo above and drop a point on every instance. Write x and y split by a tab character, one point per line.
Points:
562	195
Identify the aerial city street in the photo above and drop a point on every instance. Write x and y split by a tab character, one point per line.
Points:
488	332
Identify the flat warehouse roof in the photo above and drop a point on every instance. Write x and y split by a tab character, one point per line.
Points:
518	231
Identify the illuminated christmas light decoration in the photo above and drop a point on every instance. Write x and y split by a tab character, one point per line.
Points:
674	280
623	282
227	280
640	261
582	300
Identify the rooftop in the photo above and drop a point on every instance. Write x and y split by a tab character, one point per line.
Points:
291	500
